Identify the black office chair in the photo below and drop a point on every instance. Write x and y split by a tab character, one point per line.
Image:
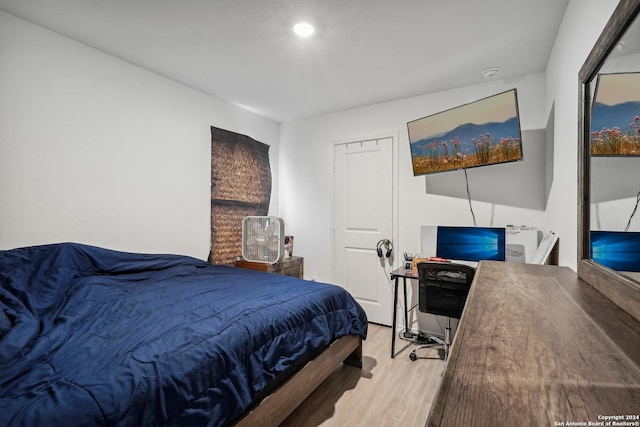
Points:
442	290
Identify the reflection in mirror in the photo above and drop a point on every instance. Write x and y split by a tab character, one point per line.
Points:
615	157
608	185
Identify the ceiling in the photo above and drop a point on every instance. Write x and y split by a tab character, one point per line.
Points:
363	51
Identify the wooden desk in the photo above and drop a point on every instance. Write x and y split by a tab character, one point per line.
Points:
537	346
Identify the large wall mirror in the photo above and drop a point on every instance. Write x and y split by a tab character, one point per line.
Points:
609	155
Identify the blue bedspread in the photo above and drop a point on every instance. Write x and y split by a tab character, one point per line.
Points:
93	337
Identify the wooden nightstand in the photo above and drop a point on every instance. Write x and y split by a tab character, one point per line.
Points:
293	266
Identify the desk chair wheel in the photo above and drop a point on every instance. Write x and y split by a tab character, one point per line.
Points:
442	347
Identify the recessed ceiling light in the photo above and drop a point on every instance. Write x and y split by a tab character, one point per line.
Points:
303	29
490	72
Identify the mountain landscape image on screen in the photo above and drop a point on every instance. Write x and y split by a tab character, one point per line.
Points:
468	145
479	133
615	129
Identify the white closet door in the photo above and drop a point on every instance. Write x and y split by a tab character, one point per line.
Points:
363	215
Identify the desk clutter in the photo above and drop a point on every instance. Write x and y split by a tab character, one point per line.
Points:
412	263
518	244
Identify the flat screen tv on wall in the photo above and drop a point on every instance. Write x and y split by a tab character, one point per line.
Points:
615	115
483	132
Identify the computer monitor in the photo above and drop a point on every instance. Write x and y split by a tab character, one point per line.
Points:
619	250
471	243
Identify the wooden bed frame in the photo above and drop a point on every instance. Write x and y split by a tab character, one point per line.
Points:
276	407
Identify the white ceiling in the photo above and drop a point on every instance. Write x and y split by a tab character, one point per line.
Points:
363	51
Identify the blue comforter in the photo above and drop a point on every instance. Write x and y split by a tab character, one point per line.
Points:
93	337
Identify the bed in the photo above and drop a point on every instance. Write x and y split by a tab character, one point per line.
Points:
96	337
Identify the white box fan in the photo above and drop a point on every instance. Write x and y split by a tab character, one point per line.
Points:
263	239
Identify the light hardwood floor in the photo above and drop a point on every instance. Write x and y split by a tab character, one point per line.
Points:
385	392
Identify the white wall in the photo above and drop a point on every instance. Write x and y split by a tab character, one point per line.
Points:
305	151
582	24
305	164
96	150
545	98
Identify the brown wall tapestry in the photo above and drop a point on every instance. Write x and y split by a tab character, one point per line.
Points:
240	187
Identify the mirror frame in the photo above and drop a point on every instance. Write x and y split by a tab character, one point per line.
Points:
623	291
